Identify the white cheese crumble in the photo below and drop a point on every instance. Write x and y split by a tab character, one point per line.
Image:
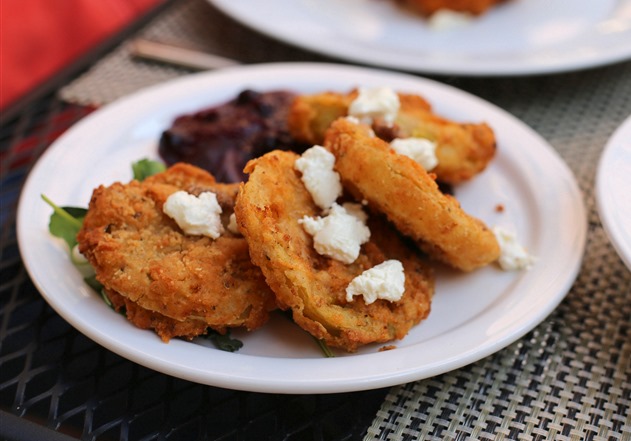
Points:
513	256
384	281
232	224
195	215
421	150
341	233
380	102
445	19
316	165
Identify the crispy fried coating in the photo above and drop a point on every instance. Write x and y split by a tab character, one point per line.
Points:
312	286
397	186
429	7
463	149
141	254
311	115
166	327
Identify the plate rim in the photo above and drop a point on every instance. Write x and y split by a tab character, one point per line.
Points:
245	382
552	65
603	190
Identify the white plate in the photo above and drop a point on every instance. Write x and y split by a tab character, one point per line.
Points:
473	315
518	37
613	190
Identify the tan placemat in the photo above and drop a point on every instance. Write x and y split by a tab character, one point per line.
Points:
192	24
569	378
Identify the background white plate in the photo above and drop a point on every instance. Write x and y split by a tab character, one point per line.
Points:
613	190
518	37
473	314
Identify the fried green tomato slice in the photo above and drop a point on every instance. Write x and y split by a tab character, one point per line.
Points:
398	187
429	7
142	255
313	286
463	149
166	327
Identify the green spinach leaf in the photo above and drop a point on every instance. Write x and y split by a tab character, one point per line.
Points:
65	222
95	285
145	168
326	351
224	341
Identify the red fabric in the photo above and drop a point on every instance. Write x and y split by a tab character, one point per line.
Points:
39	37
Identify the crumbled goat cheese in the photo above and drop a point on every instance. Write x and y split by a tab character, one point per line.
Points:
445	19
232	224
513	256
340	234
195	215
316	165
421	150
384	281
380	102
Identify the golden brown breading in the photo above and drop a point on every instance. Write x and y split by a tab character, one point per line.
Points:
140	253
268	208
463	149
166	327
311	115
429	7
397	186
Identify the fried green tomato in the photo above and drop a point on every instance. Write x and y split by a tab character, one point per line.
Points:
398	187
166	327
141	254
313	286
429	7
463	150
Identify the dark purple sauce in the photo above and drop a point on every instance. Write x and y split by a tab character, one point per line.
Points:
223	138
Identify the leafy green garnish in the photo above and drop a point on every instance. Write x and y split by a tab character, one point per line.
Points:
146	167
95	285
65	223
328	353
224	341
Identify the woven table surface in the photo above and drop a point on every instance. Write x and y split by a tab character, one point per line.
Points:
570	377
